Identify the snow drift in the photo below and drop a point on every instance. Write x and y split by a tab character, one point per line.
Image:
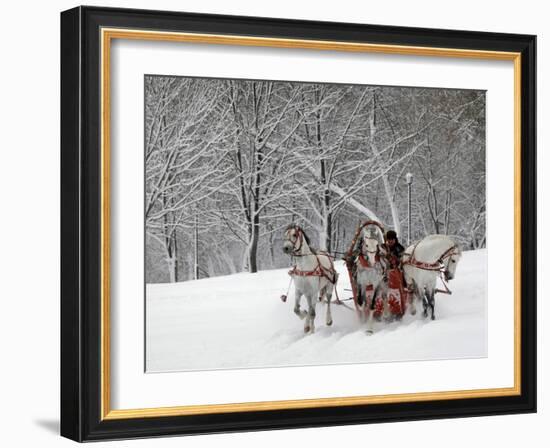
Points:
238	321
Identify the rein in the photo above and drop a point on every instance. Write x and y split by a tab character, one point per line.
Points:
446	290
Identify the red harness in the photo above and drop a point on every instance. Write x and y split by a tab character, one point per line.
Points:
319	271
435	266
365	262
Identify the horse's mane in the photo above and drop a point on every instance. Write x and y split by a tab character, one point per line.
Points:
308	241
420	249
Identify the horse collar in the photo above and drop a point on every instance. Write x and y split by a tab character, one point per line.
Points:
365	262
436	266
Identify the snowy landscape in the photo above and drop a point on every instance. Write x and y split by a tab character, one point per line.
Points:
231	163
238	321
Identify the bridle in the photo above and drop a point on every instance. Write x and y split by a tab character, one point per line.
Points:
299	238
366	249
448	256
319	271
363	261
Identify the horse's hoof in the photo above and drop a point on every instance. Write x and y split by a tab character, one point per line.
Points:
369	332
433	317
306	329
413	312
425	314
398	317
329	323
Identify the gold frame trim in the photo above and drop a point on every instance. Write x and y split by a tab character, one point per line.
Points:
107	35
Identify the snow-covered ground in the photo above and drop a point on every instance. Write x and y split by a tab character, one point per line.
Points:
239	321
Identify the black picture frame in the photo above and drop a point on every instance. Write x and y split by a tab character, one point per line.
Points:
81	381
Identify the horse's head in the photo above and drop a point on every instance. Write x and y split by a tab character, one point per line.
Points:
293	239
371	242
451	262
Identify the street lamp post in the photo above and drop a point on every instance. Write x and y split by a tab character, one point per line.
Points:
409	179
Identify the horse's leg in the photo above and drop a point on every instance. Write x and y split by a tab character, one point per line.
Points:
431	301
387	315
369	314
297	296
424	295
328	318
367	298
360	303
309	326
371	306
379	308
413	292
366	308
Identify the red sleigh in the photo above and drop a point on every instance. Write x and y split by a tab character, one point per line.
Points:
397	293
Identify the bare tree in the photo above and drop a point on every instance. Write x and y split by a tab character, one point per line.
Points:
229	163
181	140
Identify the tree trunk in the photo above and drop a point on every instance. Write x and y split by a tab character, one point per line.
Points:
385	179
271	246
253	244
170	245
325	232
325	236
172	259
447	211
433	207
172	269
196	250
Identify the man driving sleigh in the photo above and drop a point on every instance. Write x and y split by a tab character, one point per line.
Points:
392	250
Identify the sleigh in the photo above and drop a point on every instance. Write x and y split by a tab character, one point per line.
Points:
395	294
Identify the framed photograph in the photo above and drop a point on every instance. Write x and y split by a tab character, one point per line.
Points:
273	223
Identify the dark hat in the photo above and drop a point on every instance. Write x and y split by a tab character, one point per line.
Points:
391	235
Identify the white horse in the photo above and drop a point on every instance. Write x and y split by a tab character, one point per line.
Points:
424	262
314	275
369	271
